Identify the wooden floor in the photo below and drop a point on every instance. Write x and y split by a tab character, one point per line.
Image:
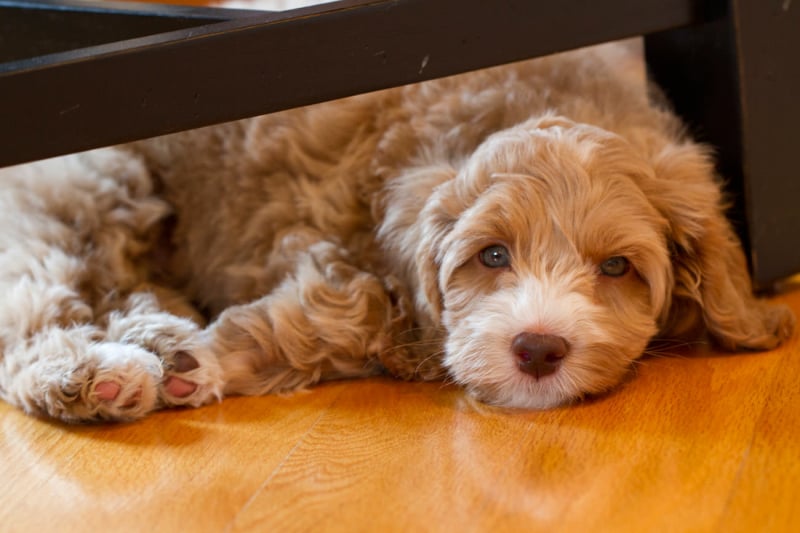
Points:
698	441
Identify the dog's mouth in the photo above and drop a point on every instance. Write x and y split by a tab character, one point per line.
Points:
540	371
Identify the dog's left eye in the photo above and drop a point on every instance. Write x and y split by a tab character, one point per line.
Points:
615	266
495	256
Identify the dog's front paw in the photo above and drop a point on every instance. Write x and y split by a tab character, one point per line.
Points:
192	377
117	381
78	382
120	385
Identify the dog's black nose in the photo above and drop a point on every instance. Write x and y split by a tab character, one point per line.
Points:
539	355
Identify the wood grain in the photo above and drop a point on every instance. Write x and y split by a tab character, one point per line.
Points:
695	441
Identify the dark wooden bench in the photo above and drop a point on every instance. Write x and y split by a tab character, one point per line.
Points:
78	75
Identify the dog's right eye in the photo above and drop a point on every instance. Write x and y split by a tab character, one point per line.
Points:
495	256
615	267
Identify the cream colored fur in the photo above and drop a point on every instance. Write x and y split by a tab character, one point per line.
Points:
343	239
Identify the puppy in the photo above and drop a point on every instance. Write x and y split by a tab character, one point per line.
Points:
524	231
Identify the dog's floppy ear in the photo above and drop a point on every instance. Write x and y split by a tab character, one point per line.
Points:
712	286
415	216
434	223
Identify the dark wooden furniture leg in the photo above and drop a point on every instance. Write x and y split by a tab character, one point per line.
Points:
736	81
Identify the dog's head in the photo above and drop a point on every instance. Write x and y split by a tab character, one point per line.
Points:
555	252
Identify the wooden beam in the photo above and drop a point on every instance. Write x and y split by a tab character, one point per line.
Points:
211	73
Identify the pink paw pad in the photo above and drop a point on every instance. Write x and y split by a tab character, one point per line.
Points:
107	391
178	387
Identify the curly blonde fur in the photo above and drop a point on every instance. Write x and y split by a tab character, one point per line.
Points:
350	238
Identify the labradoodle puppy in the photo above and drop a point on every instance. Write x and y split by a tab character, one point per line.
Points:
524	231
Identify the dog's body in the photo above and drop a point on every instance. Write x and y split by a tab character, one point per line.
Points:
526	230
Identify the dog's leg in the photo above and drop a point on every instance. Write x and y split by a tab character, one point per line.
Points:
326	320
119	367
55	359
73	344
66	374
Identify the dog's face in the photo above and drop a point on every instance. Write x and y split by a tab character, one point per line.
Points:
552	254
554	269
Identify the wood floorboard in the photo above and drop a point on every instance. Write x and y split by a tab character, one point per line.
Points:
771	464
695	441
